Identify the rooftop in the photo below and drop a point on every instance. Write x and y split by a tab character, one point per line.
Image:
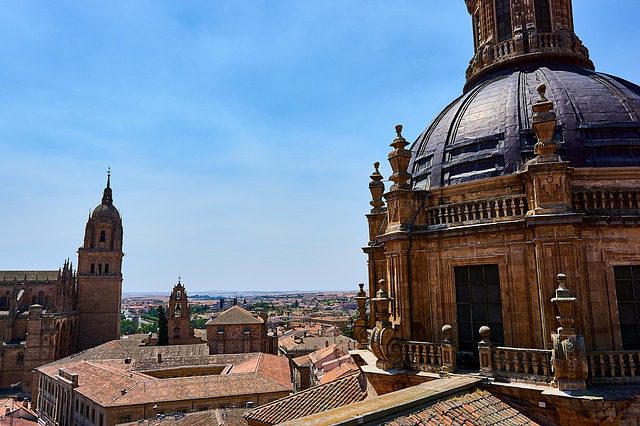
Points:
235	315
314	400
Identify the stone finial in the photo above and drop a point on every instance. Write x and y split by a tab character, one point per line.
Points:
485	335
376	186
381	302
544	124
566	305
447	333
399	159
361	300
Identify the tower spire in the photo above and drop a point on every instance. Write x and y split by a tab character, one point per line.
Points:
107	196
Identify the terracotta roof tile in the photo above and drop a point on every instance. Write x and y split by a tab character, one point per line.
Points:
235	315
336	394
338	372
472	408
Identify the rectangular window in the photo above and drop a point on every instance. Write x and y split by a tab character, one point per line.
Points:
125	419
478	303
543	16
503	19
628	295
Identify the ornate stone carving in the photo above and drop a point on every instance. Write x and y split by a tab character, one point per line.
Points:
399	159
360	326
384	342
376	186
569	353
544	124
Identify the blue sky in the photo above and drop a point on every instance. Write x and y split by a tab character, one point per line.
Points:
240	133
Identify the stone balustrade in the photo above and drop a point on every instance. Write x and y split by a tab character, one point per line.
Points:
516	364
548	41
426	356
605	199
504	49
487	210
611	367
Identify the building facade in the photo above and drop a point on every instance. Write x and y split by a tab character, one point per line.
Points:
509	240
47	315
237	330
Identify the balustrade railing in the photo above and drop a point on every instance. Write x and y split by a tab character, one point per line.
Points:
504	49
550	41
516	364
487	210
614	367
606	199
426	356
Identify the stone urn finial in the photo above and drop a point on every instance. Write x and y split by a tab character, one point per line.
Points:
566	304
544	124
381	302
376	186
399	159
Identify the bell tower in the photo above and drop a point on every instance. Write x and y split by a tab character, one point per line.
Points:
509	32
100	274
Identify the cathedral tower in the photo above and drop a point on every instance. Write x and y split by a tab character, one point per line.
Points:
179	318
100	274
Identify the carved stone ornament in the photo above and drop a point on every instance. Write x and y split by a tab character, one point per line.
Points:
569	352
384	342
360	332
544	124
376	186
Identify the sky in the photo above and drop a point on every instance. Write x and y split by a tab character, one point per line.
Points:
240	134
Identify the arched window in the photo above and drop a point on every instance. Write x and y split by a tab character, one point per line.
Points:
543	16
503	19
178	295
178	311
99	268
93	268
41	298
106	268
103	236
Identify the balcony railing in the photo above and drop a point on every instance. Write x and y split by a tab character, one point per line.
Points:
516	364
612	367
478	211
426	356
606	199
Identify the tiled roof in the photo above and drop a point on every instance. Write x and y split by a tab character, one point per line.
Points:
30	275
302	361
338	372
472	408
235	315
314	400
113	374
323	353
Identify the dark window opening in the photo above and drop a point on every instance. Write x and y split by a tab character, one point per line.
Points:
20	358
503	19
93	268
478	303
476	31
103	236
106	268
628	295
4	302
543	16
99	268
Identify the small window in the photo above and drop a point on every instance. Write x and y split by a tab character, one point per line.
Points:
103	236
178	295
627	280
93	268
20	358
178	312
101	419
99	268
125	419
106	268
4	302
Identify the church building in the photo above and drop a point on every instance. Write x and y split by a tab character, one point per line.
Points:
509	240
47	315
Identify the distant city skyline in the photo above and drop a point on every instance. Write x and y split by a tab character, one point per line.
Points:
240	135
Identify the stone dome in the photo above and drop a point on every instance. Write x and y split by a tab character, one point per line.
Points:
487	131
105	211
